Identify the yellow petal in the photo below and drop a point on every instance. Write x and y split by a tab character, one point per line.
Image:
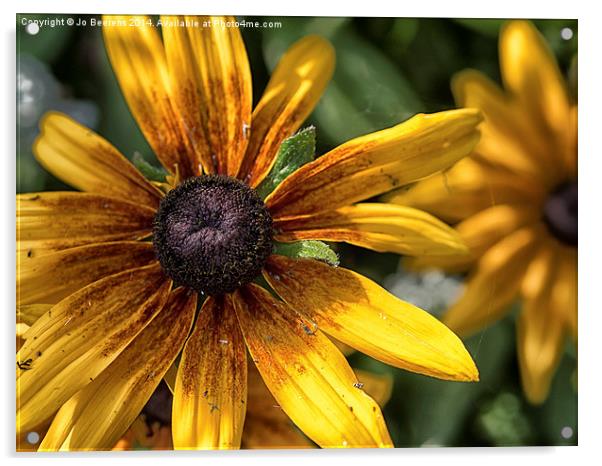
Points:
212	89
494	283
291	94
308	376
80	336
564	295
378	386
51	277
540	331
376	163
138	58
211	386
467	188
86	161
266	425
480	232
380	227
97	416
509	138
51	221
358	312
531	74
29	313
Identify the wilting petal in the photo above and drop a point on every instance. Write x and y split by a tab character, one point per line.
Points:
467	188
531	73
376	163
210	398
540	330
266	425
51	221
80	336
97	416
358	312
138	58
480	232
212	88
86	161
381	227
494	283
509	139
308	376
293	91
51	277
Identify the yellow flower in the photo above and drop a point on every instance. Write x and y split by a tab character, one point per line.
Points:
266	425
121	266
515	205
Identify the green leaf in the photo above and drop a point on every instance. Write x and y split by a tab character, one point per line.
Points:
307	250
294	152
149	171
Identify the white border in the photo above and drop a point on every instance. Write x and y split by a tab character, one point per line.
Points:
590	127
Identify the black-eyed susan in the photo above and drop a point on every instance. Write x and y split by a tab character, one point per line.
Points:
122	265
515	204
266	425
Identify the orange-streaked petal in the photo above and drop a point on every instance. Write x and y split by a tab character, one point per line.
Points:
378	162
138	59
294	89
531	74
266	424
29	313
308	376
380	227
358	312
212	88
494	283
86	161
80	336
51	277
467	188
480	232
97	416
210	398
51	221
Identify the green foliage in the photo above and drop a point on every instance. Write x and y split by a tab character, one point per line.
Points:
294	152
307	250
368	92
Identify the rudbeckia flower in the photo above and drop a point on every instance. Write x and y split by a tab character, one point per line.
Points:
266	425
514	201
121	266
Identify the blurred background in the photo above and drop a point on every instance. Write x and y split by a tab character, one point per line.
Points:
387	70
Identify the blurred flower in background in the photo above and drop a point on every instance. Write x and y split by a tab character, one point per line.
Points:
515	204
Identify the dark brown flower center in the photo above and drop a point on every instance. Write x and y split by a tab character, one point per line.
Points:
213	234
560	213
